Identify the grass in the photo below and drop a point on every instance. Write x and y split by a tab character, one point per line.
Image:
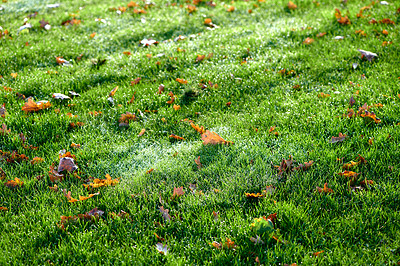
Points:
249	51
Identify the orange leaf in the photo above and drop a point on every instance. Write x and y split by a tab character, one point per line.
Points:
177	107
325	189
14	75
308	41
291	5
36	160
253	195
213	138
113	91
201	130
181	81
3	209
127	53
176	137
92	35
317	253
231	9
149	171
31	106
197	161
14	183
142	132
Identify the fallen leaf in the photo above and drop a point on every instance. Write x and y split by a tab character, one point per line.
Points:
3	111
317	253
338	139
178	192
325	189
199	129
126	118
291	5
304	166
213	138
370	117
4	131
215	215
163	249
67	164
112	92
3	209
368	55
14	183
308	41
149	171
161	89
352	101
182	81
31	106
256	240
254	195
165	214
92	35
60	96
198	163
108	181
3	175
37	160
177	107
55	188
142	132
176	137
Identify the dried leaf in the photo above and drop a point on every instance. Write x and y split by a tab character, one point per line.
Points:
201	130
14	183
160	89
254	195
142	132
165	214
4	131
178	192
304	166
370	117
368	55
325	189
198	163
182	81
352	101
108	181
3	175
3	111
3	209
213	138
37	160
176	137
291	5
60	96
31	106
112	92
308	41
338	139
67	164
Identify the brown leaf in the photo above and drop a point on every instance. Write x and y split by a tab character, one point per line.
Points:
4	131
178	192
352	101
67	164
112	92
304	166
31	106
14	183
213	138
199	129
197	161
3	175
338	139
165	214
325	189
3	111
368	55
160	89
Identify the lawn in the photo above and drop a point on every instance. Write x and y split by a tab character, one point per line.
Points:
179	132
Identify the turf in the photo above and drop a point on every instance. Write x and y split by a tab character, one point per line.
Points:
266	76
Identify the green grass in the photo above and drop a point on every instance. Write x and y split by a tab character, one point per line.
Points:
356	228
